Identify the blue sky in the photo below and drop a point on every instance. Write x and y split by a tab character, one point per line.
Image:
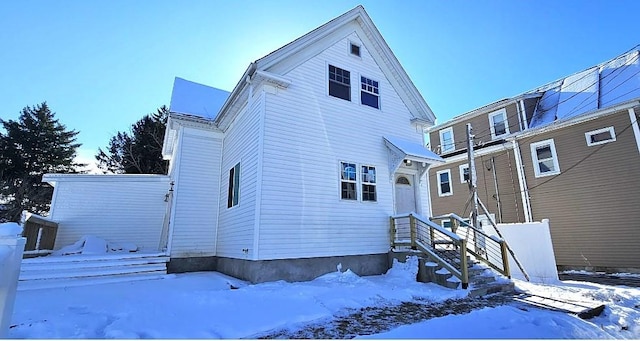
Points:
102	65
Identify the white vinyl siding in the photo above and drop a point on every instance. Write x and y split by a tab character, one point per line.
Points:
447	142
545	159
236	224
196	195
118	209
307	135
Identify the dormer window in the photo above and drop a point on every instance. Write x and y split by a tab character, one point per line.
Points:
354	49
447	143
339	83
499	124
369	92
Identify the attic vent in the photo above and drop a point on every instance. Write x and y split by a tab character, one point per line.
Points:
355	49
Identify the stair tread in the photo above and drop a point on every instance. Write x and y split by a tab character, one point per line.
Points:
72	282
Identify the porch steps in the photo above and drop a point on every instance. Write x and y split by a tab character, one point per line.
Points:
78	270
482	280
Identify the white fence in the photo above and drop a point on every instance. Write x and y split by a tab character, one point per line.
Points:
531	243
11	248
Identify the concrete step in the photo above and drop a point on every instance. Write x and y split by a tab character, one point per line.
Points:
492	288
74	264
90	271
94	280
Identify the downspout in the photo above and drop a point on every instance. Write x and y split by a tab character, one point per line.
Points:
495	183
519	115
523	111
524	191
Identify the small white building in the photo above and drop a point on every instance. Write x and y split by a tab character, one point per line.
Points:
295	171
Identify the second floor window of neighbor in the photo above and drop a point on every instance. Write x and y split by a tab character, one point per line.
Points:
499	125
339	83
446	140
369	92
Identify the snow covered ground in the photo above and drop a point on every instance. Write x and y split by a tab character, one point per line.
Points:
212	305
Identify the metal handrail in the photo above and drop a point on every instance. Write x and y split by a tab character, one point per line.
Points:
490	250
432	239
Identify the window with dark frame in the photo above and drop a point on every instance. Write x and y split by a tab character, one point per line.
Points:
234	186
368	183
369	92
348	181
339	83
355	49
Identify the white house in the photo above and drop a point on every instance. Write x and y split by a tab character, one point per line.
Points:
295	171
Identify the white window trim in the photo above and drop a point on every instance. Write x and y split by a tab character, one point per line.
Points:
440	194
362	182
327	80
502	112
369	92
534	158
349	49
358	182
461	168
588	134
453	141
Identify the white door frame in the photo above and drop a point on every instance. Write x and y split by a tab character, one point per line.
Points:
412	175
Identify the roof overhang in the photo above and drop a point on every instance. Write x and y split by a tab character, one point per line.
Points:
400	150
54	178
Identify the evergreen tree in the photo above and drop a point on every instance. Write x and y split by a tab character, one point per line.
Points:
35	144
138	151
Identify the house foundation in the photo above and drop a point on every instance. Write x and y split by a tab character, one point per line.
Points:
290	270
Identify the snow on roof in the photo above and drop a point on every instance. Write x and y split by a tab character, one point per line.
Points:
413	149
610	83
196	99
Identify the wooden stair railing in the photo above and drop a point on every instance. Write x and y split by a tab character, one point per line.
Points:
490	250
448	249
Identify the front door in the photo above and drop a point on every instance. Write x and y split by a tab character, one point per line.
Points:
405	194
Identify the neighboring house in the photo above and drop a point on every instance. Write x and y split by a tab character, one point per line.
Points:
567	151
294	172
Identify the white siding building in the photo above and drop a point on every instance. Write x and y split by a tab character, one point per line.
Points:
299	168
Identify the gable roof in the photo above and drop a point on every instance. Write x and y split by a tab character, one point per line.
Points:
196	99
274	64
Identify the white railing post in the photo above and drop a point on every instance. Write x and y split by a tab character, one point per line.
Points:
11	249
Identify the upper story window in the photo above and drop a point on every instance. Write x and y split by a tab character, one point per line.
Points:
354	49
600	136
339	83
447	143
498	123
369	92
234	186
464	173
545	159
444	183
